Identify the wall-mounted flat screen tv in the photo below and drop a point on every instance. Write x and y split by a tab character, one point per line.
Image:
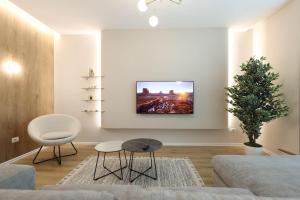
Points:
165	97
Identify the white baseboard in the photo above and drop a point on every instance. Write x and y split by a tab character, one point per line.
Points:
202	144
174	144
180	144
271	153
87	143
19	157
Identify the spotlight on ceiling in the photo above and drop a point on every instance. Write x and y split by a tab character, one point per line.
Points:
153	21
142	6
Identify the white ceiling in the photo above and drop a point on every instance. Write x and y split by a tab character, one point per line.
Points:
67	16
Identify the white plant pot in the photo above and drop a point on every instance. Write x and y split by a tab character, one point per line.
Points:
258	151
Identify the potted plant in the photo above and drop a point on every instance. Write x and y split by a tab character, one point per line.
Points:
255	98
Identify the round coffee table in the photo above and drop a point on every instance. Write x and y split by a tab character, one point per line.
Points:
142	145
110	147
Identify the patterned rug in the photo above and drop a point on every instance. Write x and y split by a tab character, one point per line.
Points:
172	172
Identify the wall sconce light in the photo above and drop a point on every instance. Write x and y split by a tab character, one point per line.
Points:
11	67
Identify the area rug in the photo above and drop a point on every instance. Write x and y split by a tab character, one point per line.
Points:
172	172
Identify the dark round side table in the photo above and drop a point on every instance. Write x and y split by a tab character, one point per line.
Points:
142	145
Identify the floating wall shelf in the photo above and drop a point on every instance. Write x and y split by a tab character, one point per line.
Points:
92	100
92	111
90	88
89	77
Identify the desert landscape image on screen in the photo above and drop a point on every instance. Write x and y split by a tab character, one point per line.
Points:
165	97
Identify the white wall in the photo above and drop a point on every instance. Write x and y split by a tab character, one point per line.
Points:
240	50
278	38
75	54
165	55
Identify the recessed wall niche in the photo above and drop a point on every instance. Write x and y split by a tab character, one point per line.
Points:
156	55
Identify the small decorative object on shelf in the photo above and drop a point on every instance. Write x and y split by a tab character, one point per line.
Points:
92	100
92	88
88	77
91	73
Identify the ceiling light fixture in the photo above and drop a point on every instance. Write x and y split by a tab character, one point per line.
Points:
153	21
142	6
147	2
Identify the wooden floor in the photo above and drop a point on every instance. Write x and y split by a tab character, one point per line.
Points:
50	172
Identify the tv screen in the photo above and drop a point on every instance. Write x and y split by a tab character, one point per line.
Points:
165	97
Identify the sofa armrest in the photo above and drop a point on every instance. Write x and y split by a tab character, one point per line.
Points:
17	177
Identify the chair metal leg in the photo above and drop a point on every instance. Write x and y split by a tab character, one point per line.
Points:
55	157
59	156
74	148
37	156
54	153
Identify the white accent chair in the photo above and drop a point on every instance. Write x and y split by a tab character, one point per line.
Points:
54	130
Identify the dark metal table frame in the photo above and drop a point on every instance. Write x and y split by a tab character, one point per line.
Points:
152	160
110	172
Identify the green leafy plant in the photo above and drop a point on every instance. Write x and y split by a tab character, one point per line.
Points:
255	98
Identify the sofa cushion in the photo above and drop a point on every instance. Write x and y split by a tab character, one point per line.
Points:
270	176
56	135
133	192
119	190
116	190
210	190
182	195
57	195
17	177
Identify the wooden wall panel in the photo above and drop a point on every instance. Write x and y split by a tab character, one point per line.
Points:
30	93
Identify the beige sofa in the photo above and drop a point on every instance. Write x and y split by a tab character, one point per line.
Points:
14	187
269	176
130	192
